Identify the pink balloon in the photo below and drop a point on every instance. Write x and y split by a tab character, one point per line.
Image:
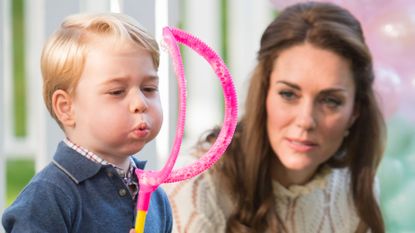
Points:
365	9
387	86
391	32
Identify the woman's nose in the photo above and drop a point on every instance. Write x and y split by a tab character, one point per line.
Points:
138	103
306	117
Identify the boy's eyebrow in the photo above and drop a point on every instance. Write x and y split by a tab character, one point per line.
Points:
116	80
123	80
152	77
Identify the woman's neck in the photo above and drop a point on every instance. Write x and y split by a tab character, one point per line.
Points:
288	177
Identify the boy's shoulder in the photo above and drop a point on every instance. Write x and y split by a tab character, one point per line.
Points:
62	174
75	166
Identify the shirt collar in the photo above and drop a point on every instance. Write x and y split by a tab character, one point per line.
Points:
97	159
77	166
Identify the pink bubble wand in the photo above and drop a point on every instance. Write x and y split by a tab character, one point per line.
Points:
150	180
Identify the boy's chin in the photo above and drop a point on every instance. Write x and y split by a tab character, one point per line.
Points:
134	150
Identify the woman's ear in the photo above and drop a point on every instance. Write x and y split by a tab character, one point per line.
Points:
354	116
63	109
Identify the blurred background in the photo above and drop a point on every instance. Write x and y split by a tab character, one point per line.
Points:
28	135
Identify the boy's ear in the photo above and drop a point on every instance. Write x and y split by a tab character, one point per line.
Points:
62	106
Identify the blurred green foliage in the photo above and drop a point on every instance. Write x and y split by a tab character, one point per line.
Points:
19	68
18	173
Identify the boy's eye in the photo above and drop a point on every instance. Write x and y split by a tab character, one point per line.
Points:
287	95
150	89
117	92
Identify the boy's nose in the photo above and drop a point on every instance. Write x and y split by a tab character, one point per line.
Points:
138	103
306	118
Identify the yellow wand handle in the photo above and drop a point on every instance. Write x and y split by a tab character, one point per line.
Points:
143	203
140	221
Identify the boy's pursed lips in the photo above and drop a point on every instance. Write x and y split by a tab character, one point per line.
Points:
142	129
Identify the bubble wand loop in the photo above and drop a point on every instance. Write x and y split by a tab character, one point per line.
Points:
231	108
150	180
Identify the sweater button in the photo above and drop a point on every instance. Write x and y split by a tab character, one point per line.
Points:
110	174
122	192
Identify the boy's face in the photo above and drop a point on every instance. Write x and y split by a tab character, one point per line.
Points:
116	104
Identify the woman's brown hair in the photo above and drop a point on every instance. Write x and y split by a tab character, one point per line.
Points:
245	167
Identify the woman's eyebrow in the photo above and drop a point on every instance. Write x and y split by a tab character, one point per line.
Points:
324	91
292	85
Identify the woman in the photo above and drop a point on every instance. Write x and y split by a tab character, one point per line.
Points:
305	153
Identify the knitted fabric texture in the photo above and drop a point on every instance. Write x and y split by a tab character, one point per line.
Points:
324	205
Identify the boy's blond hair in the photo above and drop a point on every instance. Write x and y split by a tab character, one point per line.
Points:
63	56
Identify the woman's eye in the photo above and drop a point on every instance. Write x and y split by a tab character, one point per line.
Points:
287	95
332	102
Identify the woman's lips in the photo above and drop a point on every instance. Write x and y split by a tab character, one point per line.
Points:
301	145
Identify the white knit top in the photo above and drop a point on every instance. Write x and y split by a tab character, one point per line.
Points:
322	205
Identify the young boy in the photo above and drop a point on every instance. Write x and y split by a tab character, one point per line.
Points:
101	86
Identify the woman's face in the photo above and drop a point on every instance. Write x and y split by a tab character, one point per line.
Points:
309	105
